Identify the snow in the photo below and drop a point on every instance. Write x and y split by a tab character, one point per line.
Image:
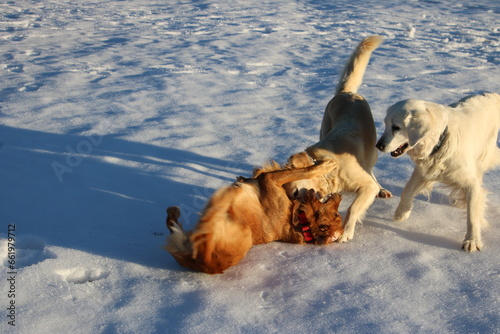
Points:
111	111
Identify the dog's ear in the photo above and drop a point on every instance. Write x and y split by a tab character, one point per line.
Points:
428	123
335	199
301	207
418	128
300	160
295	212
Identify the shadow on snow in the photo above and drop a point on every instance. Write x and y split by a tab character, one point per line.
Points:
102	195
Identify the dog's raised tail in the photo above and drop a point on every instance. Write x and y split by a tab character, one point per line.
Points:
354	70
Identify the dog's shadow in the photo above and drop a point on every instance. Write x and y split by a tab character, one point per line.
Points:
103	195
417	237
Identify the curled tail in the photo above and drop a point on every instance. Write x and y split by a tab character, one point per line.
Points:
354	70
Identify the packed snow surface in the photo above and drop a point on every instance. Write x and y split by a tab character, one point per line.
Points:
110	111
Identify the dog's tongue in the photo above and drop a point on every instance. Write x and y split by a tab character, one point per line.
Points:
395	153
306	231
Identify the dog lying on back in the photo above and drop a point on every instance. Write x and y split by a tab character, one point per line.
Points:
254	211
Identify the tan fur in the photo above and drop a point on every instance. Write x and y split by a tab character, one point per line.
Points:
466	151
347	136
250	212
352	75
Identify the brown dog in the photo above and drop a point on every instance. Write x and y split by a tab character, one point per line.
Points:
254	211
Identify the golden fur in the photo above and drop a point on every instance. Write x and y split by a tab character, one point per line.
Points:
249	212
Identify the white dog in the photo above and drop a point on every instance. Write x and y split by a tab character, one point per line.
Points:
454	145
347	136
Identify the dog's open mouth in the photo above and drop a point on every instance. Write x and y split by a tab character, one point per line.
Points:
400	150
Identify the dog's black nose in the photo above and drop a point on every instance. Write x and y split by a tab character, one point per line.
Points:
380	145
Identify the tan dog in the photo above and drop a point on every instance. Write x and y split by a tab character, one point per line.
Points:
254	211
347	136
454	145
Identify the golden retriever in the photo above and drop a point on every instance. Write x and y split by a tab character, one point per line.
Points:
347	136
254	211
454	145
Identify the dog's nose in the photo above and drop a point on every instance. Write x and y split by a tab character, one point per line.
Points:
380	145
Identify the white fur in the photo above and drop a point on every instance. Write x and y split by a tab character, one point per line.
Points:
468	150
178	241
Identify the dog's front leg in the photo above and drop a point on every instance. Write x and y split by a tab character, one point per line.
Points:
412	188
476	197
365	197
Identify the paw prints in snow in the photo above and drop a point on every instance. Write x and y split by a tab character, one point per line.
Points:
30	250
81	275
15	68
31	87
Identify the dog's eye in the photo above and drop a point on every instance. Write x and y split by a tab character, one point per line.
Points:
323	228
395	128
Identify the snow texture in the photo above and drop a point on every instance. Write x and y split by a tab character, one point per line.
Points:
110	111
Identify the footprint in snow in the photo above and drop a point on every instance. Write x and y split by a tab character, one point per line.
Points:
264	295
285	254
17	68
17	38
31	87
81	275
29	250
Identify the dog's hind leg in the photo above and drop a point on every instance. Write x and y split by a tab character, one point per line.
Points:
173	214
178	243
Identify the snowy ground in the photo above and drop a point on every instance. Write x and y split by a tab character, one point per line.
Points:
111	111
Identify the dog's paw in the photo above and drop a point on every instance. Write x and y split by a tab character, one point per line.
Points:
472	244
327	165
173	214
401	214
300	160
346	237
384	193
